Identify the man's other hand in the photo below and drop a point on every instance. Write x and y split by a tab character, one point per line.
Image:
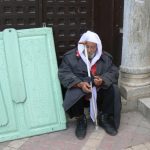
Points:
98	81
85	86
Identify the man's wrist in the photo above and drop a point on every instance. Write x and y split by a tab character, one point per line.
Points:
79	85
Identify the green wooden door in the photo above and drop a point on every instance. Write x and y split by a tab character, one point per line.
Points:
30	94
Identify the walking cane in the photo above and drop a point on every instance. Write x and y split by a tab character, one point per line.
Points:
89	75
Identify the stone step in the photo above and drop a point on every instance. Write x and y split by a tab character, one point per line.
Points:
144	107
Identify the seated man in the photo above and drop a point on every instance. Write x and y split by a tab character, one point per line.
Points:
73	75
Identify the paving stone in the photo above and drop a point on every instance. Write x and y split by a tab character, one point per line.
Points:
17	143
132	118
147	145
9	148
124	118
128	149
33	146
3	144
139	147
129	135
145	123
141	135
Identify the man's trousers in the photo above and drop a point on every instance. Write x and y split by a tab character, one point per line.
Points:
105	103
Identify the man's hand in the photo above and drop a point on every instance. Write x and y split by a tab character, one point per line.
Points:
98	81
85	86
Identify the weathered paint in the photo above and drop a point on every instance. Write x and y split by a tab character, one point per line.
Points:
30	93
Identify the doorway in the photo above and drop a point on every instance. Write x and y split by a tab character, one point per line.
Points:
69	19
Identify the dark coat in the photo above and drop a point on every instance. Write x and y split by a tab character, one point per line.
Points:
73	70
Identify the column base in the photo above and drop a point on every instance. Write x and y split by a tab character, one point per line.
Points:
134	80
130	96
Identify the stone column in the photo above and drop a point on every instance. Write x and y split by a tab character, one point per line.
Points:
135	66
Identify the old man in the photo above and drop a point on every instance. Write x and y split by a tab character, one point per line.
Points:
73	75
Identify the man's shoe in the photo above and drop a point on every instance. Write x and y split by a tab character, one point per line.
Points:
81	127
106	124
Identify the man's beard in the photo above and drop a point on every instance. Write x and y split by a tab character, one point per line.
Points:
91	56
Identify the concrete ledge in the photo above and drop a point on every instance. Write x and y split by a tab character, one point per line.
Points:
144	107
128	105
132	93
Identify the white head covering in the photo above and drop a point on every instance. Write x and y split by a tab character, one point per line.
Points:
91	37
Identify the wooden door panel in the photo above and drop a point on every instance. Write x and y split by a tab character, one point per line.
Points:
20	14
69	19
108	18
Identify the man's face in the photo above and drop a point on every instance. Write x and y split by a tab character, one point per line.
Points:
91	48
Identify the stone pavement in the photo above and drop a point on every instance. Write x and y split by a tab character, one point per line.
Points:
134	134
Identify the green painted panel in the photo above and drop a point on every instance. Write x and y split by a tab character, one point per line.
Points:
3	111
13	59
31	86
7	114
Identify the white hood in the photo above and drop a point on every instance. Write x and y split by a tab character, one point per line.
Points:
90	37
